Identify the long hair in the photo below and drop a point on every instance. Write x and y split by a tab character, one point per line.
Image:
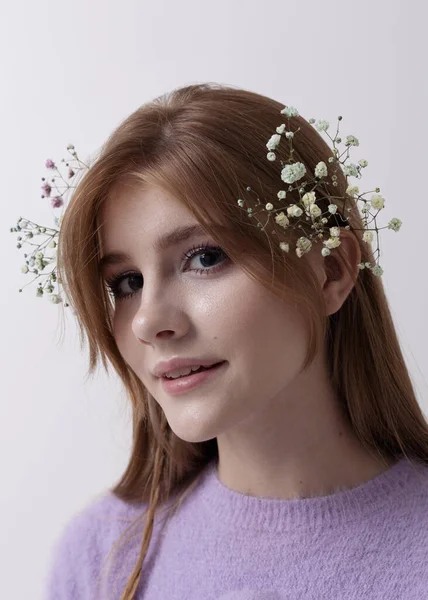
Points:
205	144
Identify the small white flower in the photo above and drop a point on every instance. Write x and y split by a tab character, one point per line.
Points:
363	163
303	245
377	270
271	156
241	203
332	242
290	111
368	236
269	206
352	190
335	231
332	208
350	170
351	140
289	135
281	128
282	220
24	269
322	125
285	247
377	201
309	198
293	172
273	142
395	224
294	211
281	194
325	251
315	210
321	169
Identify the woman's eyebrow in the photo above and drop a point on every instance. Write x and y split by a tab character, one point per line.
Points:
178	235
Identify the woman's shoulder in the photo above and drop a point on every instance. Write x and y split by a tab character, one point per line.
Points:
104	515
84	543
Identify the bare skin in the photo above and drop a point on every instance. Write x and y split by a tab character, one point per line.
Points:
280	432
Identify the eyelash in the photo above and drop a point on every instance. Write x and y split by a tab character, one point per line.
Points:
114	282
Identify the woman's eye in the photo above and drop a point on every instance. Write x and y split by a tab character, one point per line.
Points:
114	285
206	255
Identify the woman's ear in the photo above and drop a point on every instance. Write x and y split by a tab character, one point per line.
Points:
335	277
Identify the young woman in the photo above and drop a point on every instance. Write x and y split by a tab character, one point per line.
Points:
294	464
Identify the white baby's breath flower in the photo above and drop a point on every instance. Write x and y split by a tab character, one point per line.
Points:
290	111
352	190
363	162
24	269
332	242
281	194
350	170
377	201
332	208
335	231
322	125
293	172
395	224
284	246
325	251
269	206
294	211
368	236
309	198
240	202
351	140
271	156
289	135
273	142
303	245
281	128
321	169
315	211
377	270
282	220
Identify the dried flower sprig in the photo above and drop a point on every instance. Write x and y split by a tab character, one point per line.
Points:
300	213
306	210
56	189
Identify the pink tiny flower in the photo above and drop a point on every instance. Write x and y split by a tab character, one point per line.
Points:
47	189
49	164
57	202
70	173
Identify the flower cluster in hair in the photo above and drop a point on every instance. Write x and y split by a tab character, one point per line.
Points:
44	253
306	211
293	215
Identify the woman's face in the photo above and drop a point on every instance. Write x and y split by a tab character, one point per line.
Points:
204	306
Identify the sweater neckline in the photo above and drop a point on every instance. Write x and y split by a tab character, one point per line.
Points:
233	509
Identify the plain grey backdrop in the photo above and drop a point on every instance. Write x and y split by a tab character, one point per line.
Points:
70	73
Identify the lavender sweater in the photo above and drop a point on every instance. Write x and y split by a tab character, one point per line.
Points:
369	542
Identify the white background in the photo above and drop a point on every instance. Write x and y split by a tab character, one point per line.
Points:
70	73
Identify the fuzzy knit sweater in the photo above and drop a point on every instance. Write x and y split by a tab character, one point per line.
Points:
369	542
